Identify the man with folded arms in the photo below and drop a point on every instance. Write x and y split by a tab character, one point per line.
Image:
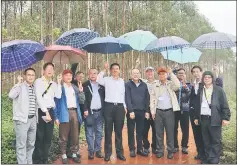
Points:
24	116
46	90
137	101
114	110
163	103
93	113
68	114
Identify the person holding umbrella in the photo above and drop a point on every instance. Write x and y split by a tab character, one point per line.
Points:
114	109
46	90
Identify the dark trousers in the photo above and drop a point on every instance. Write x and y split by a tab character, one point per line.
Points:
44	135
212	140
147	124
114	118
183	117
139	121
69	129
197	133
164	120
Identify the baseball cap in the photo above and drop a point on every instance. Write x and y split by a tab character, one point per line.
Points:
66	71
161	70
150	68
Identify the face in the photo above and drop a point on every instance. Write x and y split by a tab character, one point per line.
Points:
207	80
93	73
181	74
136	74
67	78
49	71
30	76
162	76
115	70
197	73
80	77
150	74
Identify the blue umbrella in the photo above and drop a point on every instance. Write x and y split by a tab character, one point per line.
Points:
76	38
215	40
184	55
107	45
20	54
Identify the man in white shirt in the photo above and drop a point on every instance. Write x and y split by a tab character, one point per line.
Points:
114	110
46	90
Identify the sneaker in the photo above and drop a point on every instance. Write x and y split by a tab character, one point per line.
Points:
170	155
176	150
159	155
185	150
64	161
147	151
76	160
132	153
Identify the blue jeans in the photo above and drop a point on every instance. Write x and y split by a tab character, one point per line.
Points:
94	133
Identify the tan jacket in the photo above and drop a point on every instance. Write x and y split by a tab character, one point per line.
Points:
172	86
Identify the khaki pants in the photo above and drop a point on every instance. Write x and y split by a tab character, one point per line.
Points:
69	128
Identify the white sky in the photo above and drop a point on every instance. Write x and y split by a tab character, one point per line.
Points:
221	14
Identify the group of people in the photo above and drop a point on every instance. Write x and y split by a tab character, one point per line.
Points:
103	102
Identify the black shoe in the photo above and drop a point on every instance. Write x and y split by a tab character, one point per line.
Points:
159	155
170	155
142	153
198	157
99	154
121	157
107	158
154	151
76	160
64	161
132	153
185	150
45	162
90	156
204	161
146	151
176	150
78	155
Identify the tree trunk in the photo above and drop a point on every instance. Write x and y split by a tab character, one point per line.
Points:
123	24
5	14
41	22
88	24
69	13
52	21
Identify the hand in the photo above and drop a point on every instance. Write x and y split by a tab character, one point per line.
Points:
225	122
147	115
59	78
48	117
57	122
169	70
153	116
132	115
196	122
126	111
85	114
19	79
106	66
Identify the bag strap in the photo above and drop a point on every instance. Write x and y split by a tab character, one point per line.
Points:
46	89
206	96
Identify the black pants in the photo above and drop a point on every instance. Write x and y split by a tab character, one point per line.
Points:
147	124
44	135
114	118
139	121
212	140
184	123
197	133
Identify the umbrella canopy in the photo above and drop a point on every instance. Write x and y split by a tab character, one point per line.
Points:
107	45
215	40
184	55
63	54
139	39
20	54
166	43
76	38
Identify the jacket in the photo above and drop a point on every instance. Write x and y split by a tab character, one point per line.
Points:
172	86
61	109
219	105
185	97
19	95
88	96
137	97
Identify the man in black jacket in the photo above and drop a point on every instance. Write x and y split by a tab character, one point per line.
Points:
137	101
211	112
93	107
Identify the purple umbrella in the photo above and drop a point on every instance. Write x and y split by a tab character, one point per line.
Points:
20	54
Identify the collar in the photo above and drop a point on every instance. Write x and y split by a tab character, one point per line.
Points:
153	82
44	79
210	88
114	78
195	81
96	83
139	81
28	84
66	86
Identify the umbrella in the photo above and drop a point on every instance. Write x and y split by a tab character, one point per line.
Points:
215	40
165	44
63	54
76	38
107	45
139	39
20	54
183	55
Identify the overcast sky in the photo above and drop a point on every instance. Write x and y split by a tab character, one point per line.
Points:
221	14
